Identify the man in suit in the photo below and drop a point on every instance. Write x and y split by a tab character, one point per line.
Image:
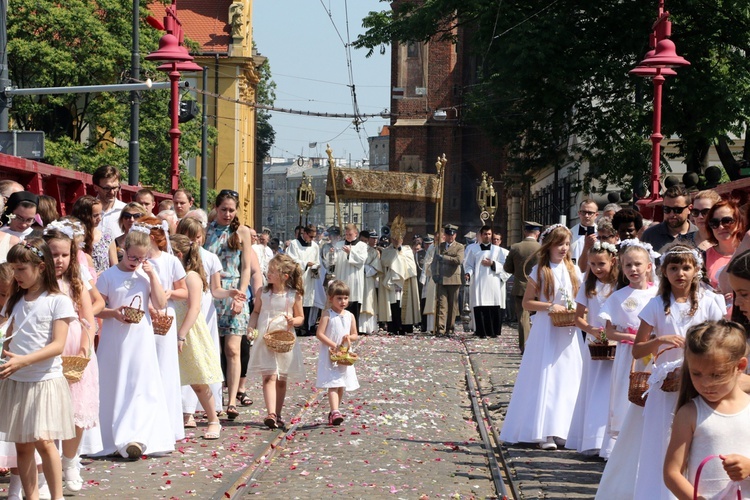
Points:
520	260
448	262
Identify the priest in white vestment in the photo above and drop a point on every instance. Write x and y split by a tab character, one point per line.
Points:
368	315
306	253
398	287
484	271
349	262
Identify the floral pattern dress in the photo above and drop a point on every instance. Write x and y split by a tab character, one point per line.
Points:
217	238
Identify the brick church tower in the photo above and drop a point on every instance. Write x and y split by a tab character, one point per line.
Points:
428	80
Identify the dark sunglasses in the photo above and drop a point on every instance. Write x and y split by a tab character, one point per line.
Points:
233	194
702	212
108	188
126	215
724	221
673	210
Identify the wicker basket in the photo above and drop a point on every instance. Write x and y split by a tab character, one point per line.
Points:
567	318
343	354
133	314
74	366
671	382
280	340
637	386
162	322
602	352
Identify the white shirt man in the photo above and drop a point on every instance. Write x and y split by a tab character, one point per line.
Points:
587	214
483	266
398	295
306	253
107	185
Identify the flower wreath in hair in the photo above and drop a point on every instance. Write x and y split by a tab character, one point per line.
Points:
63	227
638	243
689	251
609	247
549	230
142	227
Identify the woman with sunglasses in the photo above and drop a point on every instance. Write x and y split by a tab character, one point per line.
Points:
702	203
232	243
726	225
129	214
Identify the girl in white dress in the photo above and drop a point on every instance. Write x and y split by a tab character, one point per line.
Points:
84	393
172	278
546	388
132	407
680	304
336	325
712	415
279	307
36	409
587	431
625	420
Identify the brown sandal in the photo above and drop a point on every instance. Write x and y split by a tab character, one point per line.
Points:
270	421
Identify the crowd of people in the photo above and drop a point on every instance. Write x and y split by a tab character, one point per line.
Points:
120	306
121	321
667	301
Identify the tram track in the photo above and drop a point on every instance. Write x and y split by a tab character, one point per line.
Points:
497	463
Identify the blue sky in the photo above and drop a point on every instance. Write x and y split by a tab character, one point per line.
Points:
309	65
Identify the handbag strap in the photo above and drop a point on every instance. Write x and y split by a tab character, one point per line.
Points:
698	477
34	307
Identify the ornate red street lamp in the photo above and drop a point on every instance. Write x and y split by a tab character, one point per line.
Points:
657	64
177	59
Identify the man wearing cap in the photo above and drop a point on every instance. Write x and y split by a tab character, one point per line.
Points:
486	277
419	258
521	258
368	322
349	261
306	253
447	275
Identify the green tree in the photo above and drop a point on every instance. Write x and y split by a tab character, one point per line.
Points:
87	42
560	71
265	135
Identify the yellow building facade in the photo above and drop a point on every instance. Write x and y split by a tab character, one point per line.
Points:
223	30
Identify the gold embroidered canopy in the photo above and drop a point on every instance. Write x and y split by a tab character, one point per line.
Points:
353	184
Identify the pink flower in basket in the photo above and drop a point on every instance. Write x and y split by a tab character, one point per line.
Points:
348	180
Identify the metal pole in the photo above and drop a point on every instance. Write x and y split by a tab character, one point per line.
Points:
92	89
204	143
4	80
134	151
174	132
656	137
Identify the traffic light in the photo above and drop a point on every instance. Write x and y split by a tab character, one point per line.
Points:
188	110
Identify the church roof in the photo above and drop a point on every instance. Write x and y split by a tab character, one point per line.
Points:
204	22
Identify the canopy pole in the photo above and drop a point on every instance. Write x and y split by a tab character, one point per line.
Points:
331	165
440	166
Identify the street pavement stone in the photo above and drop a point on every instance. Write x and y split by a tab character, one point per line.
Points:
409	433
539	473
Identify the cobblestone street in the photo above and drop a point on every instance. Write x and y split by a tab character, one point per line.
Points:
409	433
